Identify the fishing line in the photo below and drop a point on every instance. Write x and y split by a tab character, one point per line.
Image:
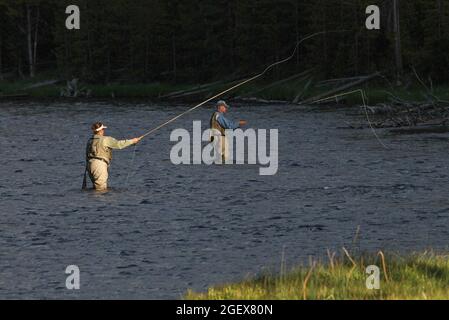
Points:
235	86
362	93
241	83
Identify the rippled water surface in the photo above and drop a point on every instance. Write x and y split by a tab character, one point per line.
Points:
171	228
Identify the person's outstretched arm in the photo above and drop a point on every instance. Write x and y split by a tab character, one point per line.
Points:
120	144
226	123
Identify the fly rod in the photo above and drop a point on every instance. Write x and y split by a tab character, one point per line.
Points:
241	83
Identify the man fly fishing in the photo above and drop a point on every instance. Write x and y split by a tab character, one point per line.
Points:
99	155
219	124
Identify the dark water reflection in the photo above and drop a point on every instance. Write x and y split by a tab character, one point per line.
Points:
177	227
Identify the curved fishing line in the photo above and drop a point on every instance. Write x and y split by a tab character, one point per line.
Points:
362	93
241	83
232	88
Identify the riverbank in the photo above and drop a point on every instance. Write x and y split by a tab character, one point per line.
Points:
26	88
418	276
157	91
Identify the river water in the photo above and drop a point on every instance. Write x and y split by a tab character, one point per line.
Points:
171	228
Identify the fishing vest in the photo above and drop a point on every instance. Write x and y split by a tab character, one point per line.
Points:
96	150
215	125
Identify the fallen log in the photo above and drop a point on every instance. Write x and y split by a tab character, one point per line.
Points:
277	83
415	115
74	90
338	80
203	90
339	89
14	96
258	100
301	93
176	93
42	84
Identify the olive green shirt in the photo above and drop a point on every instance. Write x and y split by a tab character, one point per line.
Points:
110	142
100	147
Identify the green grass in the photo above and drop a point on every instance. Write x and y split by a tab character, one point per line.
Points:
151	90
417	276
381	95
287	92
375	93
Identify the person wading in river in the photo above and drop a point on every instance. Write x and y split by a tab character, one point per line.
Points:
219	124
99	155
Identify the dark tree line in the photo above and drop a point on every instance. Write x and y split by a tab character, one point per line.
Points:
201	41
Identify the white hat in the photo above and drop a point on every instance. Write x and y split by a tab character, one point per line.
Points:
101	128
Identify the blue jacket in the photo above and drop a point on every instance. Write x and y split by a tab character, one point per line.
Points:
226	123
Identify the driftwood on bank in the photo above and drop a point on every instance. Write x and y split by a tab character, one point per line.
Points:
42	84
431	115
340	88
418	117
74	90
338	81
189	91
207	90
14	96
297	76
258	100
303	90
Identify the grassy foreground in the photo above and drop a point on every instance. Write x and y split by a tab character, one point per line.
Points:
418	276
